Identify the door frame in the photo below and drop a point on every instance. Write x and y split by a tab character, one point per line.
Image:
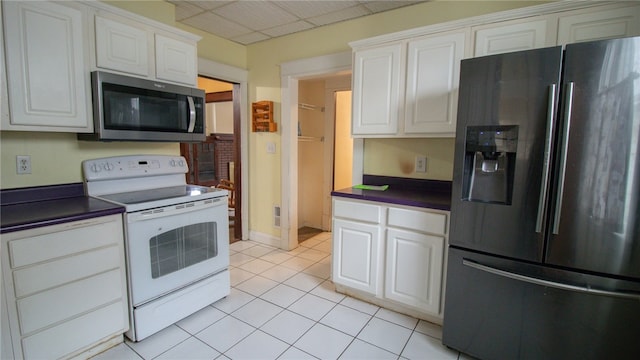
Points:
291	72
239	77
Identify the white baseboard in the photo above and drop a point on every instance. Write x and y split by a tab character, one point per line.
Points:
266	239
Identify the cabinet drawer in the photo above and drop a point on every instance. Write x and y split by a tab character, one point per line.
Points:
55	273
357	211
74	335
417	220
64	240
48	307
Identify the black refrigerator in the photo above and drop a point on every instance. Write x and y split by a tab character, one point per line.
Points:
544	255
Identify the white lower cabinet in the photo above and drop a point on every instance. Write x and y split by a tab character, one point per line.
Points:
65	288
393	256
414	269
357	251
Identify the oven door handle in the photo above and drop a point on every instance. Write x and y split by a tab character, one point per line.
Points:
176	209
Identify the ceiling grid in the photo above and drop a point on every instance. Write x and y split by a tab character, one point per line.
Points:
250	21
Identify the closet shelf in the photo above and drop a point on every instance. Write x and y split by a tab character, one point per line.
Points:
310	138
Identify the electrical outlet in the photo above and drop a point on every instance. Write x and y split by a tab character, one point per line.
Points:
421	164
23	164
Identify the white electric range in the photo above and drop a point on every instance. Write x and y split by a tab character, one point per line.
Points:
176	237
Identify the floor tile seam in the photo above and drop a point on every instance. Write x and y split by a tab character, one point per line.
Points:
272	265
353	308
190	336
134	350
387	350
395	323
306	317
257	327
253	332
236	343
331	327
299	337
293	346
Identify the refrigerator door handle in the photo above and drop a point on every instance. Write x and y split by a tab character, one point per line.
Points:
553	284
544	185
565	149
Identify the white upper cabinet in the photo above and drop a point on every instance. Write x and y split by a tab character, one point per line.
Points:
51	47
408	88
405	84
579	26
176	60
136	48
47	73
512	36
433	74
121	47
377	77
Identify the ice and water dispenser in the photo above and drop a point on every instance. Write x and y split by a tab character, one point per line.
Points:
489	164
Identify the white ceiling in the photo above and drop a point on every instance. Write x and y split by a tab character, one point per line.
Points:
251	21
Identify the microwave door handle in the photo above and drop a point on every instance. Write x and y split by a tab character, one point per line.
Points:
192	114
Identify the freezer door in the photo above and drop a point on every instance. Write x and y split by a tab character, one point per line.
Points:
596	224
504	134
500	309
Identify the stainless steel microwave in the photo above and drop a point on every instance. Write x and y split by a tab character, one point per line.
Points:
126	108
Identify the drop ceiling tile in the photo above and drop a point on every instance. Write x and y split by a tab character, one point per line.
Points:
380	6
311	8
345	14
209	4
217	25
250	38
185	9
288	28
255	15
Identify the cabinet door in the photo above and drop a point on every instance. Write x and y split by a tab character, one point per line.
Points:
48	77
414	269
356	252
511	36
377	80
176	60
121	47
599	25
433	73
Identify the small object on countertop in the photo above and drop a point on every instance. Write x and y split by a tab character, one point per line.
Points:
372	187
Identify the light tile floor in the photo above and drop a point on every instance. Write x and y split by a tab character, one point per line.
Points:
283	306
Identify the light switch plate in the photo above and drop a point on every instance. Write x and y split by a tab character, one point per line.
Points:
271	148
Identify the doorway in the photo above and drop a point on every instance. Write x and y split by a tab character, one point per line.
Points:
216	161
292	73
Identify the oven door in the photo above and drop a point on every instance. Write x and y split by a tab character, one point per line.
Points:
174	246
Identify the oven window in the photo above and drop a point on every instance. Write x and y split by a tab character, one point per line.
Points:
182	247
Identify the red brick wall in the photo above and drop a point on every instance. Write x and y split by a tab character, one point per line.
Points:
223	144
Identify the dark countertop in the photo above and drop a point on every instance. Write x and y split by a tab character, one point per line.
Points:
33	207
431	194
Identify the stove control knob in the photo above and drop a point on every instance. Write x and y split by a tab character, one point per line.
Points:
181	163
95	168
172	163
108	166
